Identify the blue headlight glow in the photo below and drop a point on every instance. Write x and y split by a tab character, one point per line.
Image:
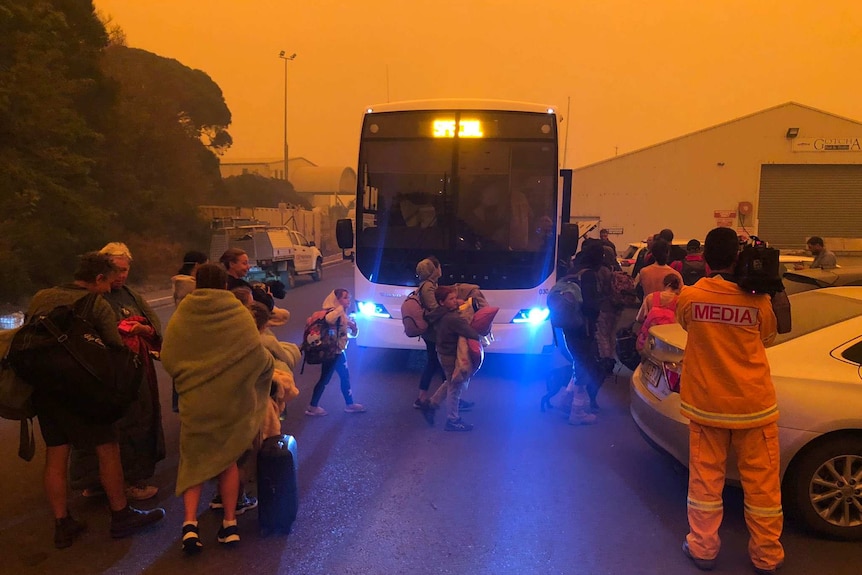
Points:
372	309
533	315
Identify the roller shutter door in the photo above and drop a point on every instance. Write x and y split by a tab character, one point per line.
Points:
800	201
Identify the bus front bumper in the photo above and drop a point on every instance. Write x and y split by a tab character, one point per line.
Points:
510	338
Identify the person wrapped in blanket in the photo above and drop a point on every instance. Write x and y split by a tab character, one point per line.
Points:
223	375
286	356
140	431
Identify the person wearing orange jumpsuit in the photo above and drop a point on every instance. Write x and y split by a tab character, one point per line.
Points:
727	394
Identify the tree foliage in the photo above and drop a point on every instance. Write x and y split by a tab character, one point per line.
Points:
98	142
159	160
49	82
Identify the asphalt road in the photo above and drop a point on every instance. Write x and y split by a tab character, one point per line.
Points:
384	493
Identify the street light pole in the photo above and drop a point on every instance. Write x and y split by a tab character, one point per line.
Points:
286	60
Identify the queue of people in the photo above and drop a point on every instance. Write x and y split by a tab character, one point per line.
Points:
218	345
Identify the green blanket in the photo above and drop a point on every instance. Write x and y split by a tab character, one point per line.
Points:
222	373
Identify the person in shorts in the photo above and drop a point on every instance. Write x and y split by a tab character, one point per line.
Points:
63	428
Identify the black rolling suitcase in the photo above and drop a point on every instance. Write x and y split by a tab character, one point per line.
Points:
277	492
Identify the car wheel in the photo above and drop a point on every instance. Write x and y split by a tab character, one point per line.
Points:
317	274
288	278
825	490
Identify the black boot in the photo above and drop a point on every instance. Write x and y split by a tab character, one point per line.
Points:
66	530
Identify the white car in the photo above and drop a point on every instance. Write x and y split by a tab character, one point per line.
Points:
791	262
816	372
628	258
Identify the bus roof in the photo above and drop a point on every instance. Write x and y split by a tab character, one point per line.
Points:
460	104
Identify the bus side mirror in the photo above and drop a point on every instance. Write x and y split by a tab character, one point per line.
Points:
344	237
567	247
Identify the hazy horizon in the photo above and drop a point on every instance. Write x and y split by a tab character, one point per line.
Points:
636	73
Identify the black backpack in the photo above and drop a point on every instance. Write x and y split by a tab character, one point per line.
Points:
591	290
692	271
62	355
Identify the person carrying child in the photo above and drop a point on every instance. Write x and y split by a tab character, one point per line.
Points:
450	327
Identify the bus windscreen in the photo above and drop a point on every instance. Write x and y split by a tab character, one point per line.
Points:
477	189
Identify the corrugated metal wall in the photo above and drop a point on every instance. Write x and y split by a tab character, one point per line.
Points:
798	201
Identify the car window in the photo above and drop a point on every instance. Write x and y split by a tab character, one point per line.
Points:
630	253
301	239
795	283
853	353
816	309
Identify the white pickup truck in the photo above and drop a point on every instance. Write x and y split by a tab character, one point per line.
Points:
274	252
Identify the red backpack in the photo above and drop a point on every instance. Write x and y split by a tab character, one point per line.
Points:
658	315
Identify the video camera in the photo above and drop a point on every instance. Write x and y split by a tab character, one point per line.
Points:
757	268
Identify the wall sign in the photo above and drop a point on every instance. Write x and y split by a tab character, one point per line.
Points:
826	144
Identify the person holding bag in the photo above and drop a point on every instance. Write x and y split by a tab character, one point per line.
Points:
140	431
62	427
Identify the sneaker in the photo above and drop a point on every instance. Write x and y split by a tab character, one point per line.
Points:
418	404
581	418
66	530
216	503
141	492
191	539
244	503
315	411
128	520
355	408
702	564
228	535
465	405
458	425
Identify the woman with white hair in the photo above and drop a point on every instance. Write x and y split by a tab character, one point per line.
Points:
140	432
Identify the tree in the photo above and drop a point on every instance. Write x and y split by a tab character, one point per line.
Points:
49	82
159	161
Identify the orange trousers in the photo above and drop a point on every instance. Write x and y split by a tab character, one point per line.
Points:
757	452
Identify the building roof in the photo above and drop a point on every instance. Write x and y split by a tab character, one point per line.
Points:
721	125
265	161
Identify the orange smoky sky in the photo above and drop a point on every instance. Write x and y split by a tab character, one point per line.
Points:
625	74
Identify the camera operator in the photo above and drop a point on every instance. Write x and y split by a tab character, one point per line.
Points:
757	271
728	396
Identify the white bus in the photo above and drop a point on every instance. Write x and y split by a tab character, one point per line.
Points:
474	183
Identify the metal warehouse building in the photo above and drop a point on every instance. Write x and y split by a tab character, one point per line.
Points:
783	174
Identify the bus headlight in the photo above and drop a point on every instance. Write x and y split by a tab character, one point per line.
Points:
371	309
532	315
